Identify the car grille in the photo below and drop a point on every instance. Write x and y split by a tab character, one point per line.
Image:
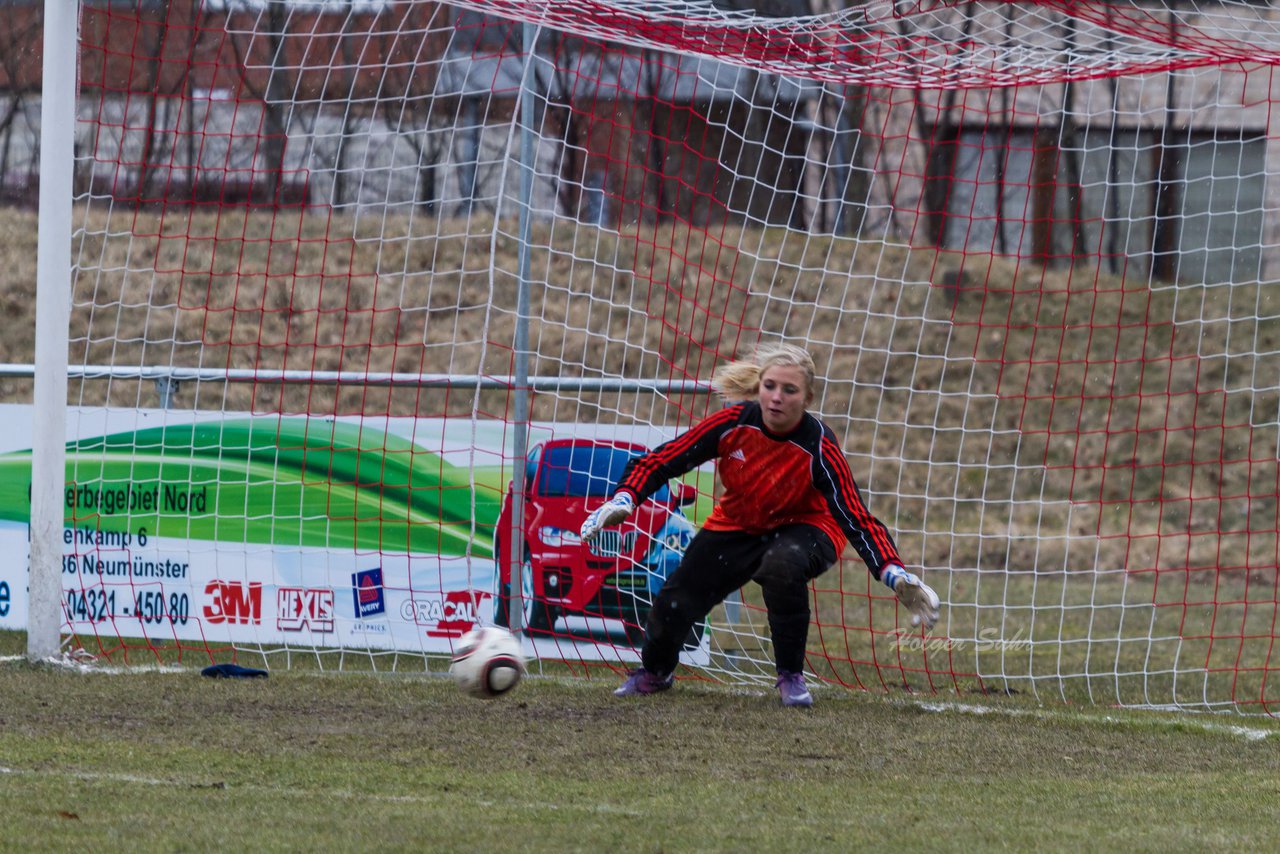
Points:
613	543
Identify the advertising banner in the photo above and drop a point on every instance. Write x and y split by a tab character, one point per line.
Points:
279	531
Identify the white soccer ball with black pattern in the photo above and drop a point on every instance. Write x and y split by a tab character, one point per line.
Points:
487	662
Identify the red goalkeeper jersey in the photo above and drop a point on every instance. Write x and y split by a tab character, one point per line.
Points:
770	480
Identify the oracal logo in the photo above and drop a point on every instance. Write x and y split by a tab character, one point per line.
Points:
233	602
451	616
298	608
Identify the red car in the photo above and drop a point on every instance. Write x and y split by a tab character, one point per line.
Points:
620	572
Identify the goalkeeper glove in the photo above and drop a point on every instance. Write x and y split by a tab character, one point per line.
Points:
916	596
611	512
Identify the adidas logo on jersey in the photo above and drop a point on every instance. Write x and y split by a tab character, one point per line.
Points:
737	454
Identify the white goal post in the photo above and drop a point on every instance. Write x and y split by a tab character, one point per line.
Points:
53	315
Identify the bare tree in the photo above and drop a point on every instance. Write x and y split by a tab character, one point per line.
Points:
149	60
941	143
350	78
652	82
16	39
408	99
559	83
268	49
1167	200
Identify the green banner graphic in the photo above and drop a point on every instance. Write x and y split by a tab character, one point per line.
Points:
276	481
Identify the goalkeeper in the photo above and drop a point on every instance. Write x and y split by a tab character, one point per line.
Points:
788	506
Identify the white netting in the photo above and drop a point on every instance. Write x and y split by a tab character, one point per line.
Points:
1032	247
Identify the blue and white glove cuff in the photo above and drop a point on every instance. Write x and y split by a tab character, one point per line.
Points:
892	574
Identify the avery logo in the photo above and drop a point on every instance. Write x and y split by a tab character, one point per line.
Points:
366	587
304	607
452	616
233	602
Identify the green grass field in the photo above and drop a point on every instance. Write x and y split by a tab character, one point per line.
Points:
171	761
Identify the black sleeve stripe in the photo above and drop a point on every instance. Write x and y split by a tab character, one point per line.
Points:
682	454
851	496
682	443
864	525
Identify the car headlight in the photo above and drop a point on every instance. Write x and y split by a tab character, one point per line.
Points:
558	537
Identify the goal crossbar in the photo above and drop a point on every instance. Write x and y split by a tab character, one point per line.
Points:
391	379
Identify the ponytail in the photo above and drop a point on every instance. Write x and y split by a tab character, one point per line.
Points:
739	380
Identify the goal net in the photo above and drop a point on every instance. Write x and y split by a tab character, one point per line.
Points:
371	301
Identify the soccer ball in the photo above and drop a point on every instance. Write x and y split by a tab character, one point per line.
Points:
487	662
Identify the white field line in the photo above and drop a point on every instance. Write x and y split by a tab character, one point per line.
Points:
87	777
1186	720
88	665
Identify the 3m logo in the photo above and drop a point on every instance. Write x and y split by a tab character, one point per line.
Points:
366	586
299	608
233	602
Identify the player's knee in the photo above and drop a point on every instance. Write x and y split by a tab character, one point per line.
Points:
783	565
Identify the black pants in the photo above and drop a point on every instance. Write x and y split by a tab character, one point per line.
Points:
782	562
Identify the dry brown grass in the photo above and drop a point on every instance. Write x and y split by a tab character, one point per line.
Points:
978	395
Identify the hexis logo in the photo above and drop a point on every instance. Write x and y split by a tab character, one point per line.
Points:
299	608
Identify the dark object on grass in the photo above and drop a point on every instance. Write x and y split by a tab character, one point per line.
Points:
232	671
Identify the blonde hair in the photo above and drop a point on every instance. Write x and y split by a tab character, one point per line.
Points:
739	380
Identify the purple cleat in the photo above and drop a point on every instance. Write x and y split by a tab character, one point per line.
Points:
641	681
792	689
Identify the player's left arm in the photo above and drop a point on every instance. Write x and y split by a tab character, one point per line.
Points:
869	536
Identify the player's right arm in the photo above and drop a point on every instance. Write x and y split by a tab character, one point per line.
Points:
646	474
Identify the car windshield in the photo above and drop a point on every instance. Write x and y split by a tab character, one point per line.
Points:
586	470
